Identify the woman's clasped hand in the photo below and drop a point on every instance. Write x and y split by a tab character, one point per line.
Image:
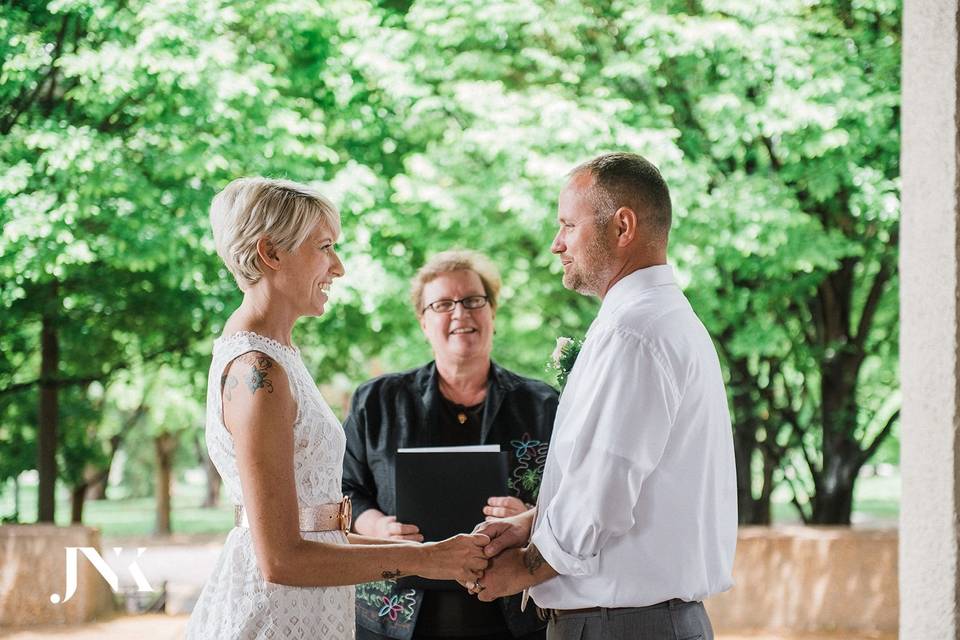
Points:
459	558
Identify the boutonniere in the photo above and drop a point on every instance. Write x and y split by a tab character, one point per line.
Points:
562	359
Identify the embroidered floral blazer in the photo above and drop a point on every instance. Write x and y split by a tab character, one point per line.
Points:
403	410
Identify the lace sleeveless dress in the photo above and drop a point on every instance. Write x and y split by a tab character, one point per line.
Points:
237	603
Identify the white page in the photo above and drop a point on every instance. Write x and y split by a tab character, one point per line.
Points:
470	448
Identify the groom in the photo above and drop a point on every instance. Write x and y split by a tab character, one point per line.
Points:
637	516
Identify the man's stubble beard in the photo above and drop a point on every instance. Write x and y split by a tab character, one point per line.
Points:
590	275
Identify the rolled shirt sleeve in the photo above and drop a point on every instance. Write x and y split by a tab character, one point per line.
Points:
613	424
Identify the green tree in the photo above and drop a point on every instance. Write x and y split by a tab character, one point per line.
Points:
777	128
436	124
119	122
101	156
795	114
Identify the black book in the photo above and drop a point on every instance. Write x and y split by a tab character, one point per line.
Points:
443	491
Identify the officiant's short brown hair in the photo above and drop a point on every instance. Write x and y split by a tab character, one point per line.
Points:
456	260
248	209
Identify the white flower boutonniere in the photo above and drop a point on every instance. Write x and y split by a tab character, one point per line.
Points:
563	357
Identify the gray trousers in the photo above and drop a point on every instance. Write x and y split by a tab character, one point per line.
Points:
673	620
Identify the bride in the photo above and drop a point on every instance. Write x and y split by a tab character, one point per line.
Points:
286	565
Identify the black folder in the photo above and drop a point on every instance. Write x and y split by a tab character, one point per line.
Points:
444	494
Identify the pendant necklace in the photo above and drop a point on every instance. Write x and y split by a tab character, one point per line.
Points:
459	409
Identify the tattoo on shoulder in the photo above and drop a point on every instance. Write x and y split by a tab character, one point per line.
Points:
228	383
259	376
388	575
532	559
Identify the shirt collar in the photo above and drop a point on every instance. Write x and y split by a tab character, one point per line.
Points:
632	284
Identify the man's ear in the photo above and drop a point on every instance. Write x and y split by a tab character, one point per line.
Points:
625	222
268	254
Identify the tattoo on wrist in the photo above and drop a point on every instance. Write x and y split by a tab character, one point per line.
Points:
388	575
532	559
259	377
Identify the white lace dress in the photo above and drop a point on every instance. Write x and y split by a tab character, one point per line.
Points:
236	601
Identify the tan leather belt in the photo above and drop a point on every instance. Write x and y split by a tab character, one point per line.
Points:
333	516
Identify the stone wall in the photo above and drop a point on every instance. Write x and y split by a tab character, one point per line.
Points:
33	566
791	578
811	579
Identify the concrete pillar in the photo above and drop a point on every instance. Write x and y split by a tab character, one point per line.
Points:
930	331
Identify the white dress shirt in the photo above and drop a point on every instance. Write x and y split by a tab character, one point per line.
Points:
638	502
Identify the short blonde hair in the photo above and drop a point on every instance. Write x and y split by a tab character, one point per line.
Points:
456	260
282	211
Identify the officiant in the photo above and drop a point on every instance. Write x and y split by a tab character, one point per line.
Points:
462	397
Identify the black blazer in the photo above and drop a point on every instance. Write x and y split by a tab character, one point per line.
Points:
402	410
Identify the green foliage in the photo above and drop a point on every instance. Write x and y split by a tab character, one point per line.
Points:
18	419
436	124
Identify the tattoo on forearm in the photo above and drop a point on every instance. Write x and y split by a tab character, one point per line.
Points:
532	559
259	377
388	575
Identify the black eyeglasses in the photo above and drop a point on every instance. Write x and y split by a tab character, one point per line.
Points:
447	306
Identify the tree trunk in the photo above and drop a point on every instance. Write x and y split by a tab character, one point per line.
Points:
833	502
842	454
752	510
77	497
97	488
743	447
49	416
762	512
165	445
16	498
833	507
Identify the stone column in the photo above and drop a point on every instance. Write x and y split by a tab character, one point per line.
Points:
930	331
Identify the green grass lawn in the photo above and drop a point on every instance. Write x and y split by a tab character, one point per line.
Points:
130	516
877	503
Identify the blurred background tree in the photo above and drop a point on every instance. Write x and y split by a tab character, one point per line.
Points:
436	124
